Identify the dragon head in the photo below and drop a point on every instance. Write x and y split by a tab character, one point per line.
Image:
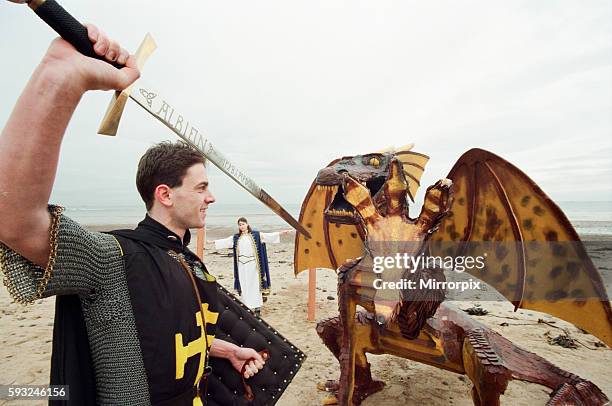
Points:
336	229
371	170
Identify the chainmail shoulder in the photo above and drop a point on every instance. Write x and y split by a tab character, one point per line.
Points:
90	264
81	259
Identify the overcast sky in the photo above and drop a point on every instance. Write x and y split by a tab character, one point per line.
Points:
283	87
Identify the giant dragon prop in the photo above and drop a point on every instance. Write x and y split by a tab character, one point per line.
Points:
357	210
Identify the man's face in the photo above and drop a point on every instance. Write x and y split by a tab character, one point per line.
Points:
192	198
243	227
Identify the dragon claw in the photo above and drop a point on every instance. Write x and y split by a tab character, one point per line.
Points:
361	391
446	183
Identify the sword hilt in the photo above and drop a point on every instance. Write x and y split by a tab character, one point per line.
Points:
68	27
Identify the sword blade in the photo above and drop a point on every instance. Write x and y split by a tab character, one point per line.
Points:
159	108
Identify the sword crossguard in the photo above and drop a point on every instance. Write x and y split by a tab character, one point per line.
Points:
110	122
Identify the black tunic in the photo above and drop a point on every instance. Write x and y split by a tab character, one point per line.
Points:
166	312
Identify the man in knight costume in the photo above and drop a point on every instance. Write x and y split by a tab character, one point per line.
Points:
136	311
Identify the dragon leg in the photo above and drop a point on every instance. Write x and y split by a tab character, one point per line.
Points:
491	361
347	307
330	331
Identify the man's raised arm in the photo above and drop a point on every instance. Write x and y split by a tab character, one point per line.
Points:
30	141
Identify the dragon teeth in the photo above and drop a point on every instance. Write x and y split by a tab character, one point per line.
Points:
327	188
342	212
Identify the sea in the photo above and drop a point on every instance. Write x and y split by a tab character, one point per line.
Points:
588	217
217	216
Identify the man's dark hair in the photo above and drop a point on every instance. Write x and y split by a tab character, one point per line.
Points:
165	163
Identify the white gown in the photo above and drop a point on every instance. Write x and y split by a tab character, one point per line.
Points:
247	265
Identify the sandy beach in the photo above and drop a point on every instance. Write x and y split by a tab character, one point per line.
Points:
25	340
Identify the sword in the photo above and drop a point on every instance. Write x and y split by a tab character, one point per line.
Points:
75	33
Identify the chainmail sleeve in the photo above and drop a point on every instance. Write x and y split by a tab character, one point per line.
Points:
91	265
76	265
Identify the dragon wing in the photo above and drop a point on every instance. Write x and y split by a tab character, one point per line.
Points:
413	164
538	261
330	244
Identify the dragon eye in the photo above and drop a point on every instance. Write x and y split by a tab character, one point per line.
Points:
375	162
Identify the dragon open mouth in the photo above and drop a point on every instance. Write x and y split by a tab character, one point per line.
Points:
339	210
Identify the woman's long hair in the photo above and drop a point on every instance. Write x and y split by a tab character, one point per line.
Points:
244	220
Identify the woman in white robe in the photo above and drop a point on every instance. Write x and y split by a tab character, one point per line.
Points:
248	261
